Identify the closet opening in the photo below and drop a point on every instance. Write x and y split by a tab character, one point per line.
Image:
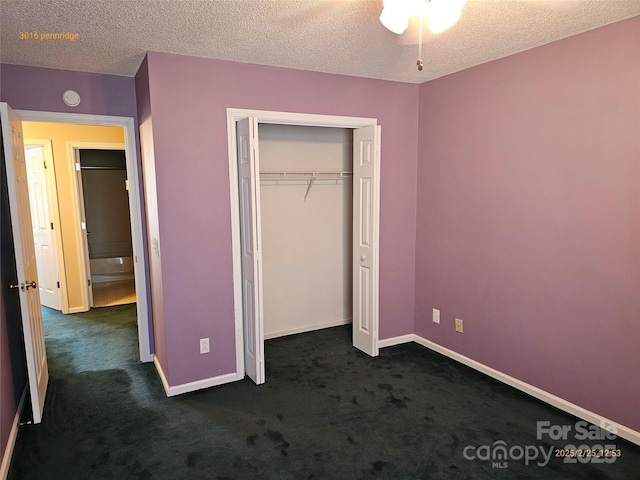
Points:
305	218
306	210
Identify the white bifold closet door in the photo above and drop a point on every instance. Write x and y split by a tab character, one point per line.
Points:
366	212
249	182
366	208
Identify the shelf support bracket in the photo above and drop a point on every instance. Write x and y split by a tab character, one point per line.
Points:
313	179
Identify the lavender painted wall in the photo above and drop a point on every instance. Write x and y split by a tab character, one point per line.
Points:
151	208
189	97
528	217
143	100
41	89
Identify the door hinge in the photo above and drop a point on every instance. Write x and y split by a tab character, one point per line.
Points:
88	282
51	225
45	164
58	284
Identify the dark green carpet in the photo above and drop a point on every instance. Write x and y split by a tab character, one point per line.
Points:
326	412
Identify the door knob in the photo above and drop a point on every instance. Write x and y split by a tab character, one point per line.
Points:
24	286
363	257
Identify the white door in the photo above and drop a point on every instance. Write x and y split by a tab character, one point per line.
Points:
27	280
42	224
248	171
366	208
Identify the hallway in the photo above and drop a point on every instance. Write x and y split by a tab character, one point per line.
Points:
109	294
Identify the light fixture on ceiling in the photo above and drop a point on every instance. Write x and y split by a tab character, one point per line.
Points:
439	14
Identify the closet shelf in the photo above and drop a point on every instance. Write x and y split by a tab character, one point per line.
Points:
304	175
308	178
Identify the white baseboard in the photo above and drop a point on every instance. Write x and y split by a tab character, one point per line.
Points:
564	405
390	342
192	386
11	441
308	328
161	374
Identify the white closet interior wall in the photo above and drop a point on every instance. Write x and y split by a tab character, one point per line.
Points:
306	244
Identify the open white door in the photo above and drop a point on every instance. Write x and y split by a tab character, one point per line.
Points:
27	280
248	173
366	212
83	227
42	223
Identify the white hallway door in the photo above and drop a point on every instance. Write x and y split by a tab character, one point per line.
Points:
27	281
42	223
366	210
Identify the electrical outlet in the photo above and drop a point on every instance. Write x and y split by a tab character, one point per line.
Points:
459	325
204	345
436	315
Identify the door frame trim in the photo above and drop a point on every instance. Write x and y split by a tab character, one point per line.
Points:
73	152
135	206
272	117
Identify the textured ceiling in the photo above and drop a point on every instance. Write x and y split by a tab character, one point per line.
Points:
336	36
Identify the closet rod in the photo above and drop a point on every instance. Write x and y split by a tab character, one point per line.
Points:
307	174
100	168
310	176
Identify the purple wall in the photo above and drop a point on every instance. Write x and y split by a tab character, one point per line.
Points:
528	218
41	89
189	97
151	208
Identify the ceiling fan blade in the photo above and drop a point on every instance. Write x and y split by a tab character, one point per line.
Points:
554	4
411	35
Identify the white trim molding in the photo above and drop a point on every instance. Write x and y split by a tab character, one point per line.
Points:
308	328
163	378
390	342
13	435
193	386
73	155
549	398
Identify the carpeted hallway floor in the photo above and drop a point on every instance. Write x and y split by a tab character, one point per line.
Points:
327	411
